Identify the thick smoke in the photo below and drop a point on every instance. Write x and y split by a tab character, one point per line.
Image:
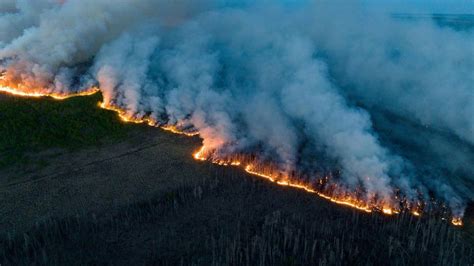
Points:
304	85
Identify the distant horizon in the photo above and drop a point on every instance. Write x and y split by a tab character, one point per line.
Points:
451	7
433	14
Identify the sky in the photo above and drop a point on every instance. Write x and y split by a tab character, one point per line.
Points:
424	6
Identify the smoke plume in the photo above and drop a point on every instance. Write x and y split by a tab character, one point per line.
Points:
387	102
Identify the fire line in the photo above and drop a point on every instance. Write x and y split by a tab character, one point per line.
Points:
200	154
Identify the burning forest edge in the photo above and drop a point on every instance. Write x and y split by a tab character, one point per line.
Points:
324	186
361	110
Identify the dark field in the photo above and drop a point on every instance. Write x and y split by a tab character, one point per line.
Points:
110	193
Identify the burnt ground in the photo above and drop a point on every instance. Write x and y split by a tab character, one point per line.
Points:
143	199
147	163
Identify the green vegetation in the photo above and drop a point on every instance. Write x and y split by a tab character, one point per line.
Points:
29	125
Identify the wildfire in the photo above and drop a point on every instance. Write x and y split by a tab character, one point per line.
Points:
348	201
456	221
125	117
199	155
144	120
20	93
343	199
175	130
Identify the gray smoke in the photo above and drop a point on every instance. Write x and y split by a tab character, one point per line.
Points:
305	85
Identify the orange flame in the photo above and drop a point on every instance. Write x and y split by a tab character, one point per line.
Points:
125	117
457	221
20	93
347	201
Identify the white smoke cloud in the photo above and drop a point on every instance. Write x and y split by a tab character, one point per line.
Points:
20	15
420	71
292	82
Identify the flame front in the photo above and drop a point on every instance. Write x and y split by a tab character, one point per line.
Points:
346	199
342	199
35	94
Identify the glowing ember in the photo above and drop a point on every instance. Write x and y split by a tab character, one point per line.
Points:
175	130
456	221
199	155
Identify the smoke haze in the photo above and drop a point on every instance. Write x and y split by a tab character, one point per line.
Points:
388	102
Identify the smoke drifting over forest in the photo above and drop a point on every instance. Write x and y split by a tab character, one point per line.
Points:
312	87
